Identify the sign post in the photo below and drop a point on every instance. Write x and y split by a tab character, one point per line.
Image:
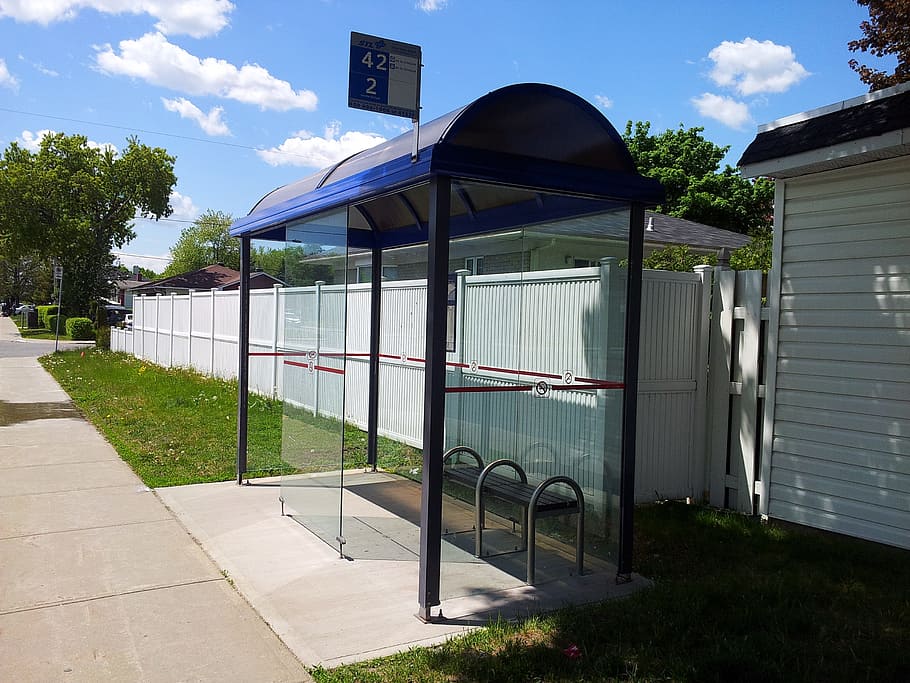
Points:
58	280
385	78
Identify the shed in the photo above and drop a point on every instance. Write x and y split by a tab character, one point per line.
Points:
836	442
525	157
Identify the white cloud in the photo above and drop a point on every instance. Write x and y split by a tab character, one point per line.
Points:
7	80
753	67
197	18
32	141
603	101
153	59
724	109
306	149
210	123
431	5
183	207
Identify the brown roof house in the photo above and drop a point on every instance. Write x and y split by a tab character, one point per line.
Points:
216	276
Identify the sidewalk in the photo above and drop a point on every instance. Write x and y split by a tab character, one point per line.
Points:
98	580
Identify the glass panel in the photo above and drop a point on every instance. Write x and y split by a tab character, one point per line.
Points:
312	351
535	379
381	508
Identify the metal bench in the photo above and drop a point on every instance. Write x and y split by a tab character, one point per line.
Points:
535	500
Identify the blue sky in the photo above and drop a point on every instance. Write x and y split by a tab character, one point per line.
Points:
252	94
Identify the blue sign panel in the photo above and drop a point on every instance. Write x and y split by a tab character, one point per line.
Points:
384	76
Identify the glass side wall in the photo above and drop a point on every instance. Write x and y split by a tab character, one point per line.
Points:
312	356
535	381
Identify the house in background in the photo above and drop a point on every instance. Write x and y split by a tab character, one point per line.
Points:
524	250
836	433
217	276
123	289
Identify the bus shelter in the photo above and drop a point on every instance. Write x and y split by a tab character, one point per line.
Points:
477	301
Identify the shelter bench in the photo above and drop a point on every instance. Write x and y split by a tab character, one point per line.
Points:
535	500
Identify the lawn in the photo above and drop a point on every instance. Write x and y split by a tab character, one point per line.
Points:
175	427
38	332
733	599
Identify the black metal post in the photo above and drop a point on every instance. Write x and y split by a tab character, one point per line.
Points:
434	401
373	391
630	395
243	358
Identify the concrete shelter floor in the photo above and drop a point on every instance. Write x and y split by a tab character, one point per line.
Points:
330	610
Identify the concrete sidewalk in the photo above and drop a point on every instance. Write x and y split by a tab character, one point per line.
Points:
98	580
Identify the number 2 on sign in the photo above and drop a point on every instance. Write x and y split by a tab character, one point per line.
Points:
382	61
371	86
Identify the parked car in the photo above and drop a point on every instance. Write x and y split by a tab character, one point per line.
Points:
115	314
128	321
24	308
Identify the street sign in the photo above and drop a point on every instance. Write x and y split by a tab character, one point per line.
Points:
384	76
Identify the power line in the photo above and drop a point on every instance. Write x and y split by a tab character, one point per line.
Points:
157	258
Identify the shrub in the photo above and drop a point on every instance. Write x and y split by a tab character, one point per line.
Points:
103	337
80	329
52	322
44	312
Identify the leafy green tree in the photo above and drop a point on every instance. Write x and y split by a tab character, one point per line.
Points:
688	167
146	274
72	203
677	257
756	255
206	242
886	33
292	266
24	279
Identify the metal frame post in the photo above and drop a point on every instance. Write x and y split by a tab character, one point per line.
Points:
434	401
630	394
373	391
243	357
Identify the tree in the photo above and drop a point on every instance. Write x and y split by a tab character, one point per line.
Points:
205	242
886	33
24	279
293	265
678	257
687	166
72	203
756	255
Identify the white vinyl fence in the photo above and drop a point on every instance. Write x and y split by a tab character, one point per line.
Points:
676	457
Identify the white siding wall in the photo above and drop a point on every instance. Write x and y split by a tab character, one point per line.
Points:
841	439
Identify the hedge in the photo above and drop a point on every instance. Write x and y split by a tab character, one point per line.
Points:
43	312
80	329
52	323
103	337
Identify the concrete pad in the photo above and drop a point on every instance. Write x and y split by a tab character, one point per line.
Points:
332	611
197	632
66	477
43	513
55	568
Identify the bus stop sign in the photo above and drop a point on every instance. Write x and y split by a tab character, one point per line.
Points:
384	76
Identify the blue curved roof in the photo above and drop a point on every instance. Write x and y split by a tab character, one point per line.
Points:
529	135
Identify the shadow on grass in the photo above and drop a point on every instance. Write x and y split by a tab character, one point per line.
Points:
733	600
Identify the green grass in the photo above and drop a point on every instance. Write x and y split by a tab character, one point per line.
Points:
38	333
175	427
733	600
